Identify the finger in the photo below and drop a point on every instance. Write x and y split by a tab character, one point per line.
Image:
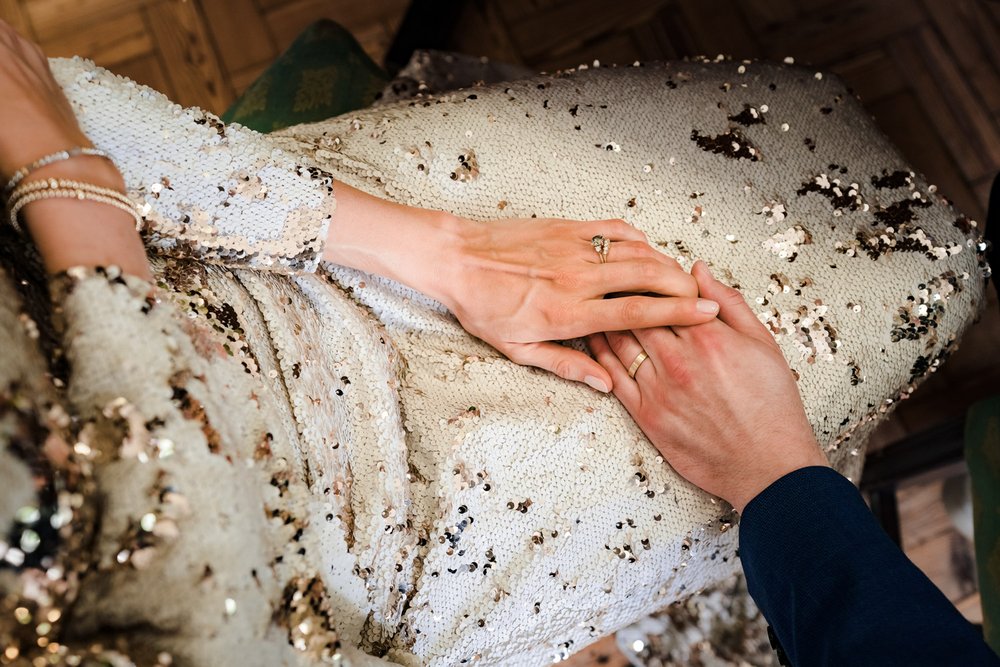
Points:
615	229
645	275
733	308
628	349
639	312
624	251
625	388
565	362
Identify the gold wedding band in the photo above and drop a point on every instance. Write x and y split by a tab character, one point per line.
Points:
634	368
602	245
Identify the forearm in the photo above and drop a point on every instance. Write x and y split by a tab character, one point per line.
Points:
407	244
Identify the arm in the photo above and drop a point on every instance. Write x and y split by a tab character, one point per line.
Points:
230	196
720	404
834	587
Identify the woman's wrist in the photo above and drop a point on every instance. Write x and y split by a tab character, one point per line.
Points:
415	246
71	232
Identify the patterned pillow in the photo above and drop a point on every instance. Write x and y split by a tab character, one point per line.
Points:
324	73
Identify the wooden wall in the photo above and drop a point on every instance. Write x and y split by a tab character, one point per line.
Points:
197	52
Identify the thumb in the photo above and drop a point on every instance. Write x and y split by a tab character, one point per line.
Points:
565	362
733	308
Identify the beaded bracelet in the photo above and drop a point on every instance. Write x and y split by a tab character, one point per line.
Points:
63	188
49	159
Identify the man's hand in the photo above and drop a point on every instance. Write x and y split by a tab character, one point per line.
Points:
716	399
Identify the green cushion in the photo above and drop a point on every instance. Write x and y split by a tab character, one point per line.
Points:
324	73
982	454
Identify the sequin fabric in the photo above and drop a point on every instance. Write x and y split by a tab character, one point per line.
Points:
299	463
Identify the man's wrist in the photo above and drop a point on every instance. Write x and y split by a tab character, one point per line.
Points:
760	483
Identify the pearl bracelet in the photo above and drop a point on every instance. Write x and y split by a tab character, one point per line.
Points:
62	188
49	159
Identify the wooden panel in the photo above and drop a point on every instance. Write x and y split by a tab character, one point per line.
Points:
147	71
242	79
55	17
13	13
481	32
287	20
962	37
375	40
563	28
615	48
984	18
982	189
946	560
923	512
954	88
515	10
762	15
905	123
822	38
238	48
872	75
932	543
911	60
120	38
194	71
714	23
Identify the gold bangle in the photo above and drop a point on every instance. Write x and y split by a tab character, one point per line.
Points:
66	184
49	159
24	200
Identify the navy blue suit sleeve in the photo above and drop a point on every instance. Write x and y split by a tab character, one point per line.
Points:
835	588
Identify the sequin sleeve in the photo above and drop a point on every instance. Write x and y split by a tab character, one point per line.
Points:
223	194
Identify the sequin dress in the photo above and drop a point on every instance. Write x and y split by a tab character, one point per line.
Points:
267	459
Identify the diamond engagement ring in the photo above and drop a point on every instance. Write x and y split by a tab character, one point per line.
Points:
601	245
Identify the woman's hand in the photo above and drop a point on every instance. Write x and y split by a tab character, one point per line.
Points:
716	399
518	284
36	119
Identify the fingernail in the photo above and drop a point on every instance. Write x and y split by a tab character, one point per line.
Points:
707	306
596	383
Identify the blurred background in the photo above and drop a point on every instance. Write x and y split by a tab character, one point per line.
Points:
927	70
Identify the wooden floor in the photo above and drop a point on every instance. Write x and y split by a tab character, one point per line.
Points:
928	71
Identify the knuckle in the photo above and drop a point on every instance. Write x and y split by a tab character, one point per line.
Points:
679	371
632	312
687	286
617	343
733	296
515	353
569	280
708	340
563	368
554	316
649	269
668	260
621	227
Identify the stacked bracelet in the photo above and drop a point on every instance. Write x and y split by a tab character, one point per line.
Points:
52	188
49	159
